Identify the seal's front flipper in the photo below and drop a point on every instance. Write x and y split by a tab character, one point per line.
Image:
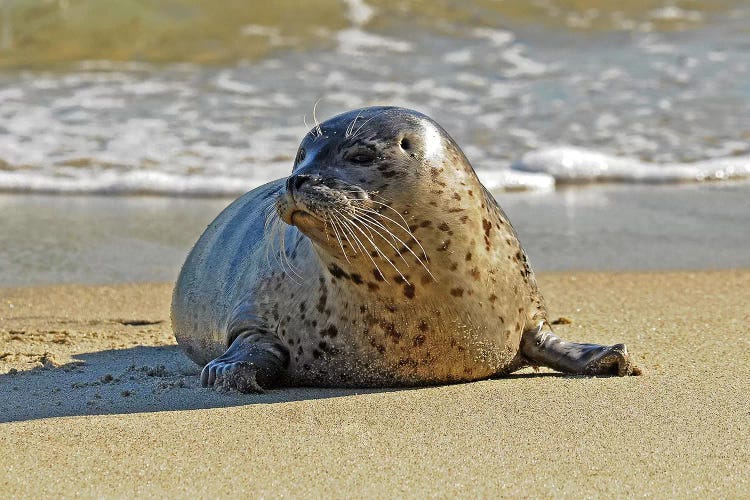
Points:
541	347
252	363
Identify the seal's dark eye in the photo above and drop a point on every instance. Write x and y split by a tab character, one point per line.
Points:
300	155
361	157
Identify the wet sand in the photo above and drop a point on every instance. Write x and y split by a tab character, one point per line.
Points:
95	399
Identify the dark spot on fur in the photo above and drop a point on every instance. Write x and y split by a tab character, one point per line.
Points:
302	306
337	272
487	225
493	298
331	331
399	279
468	256
423	326
425	223
464	218
378	275
471	193
379	347
419	340
409	291
456	196
357	278
457	292
475	273
390	330
372	286
407	362
453	266
444	227
316	353
322	302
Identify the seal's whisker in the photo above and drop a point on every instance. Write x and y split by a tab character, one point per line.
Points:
318	130
406	224
325	227
346	235
364	250
378	214
416	257
269	228
284	255
370	228
350	127
266	234
353	222
398	224
389	230
341	244
393	235
354	136
370	222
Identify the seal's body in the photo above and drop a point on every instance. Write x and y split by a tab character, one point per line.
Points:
380	261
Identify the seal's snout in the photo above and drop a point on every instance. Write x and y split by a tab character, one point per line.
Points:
295	182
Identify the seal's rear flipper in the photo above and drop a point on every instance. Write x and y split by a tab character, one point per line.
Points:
542	348
252	363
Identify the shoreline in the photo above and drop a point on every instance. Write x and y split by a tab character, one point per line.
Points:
98	239
98	378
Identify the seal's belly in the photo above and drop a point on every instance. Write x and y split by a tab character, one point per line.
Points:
393	353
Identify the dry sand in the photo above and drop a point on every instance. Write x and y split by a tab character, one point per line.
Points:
95	399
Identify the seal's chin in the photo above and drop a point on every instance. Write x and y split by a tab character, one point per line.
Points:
291	212
300	218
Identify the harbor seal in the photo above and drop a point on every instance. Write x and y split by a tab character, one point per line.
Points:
380	261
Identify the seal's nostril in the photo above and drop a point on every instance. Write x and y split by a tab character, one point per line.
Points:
294	182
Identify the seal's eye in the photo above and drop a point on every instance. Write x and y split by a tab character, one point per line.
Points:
362	157
300	155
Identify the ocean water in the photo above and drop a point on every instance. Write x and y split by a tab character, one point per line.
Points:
195	99
537	93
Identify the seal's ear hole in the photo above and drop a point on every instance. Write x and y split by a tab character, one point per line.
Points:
405	143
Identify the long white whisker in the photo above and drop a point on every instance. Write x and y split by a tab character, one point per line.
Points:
341	244
346	235
288	259
377	249
354	136
365	251
370	227
349	128
318	130
405	227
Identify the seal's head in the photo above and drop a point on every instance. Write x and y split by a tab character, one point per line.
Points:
361	179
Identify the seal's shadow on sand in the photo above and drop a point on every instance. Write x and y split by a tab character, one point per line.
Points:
135	380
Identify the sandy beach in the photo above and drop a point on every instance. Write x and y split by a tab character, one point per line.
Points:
96	399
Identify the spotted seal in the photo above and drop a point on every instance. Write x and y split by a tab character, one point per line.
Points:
380	261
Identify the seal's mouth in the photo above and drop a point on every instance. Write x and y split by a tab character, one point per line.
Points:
309	200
